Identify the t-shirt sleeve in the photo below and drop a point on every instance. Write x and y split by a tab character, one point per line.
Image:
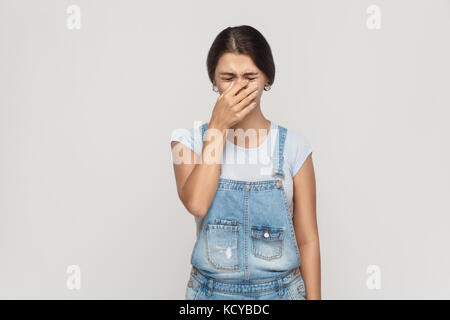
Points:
299	149
186	136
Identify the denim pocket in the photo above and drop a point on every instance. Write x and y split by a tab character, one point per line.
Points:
192	289
267	242
222	244
296	289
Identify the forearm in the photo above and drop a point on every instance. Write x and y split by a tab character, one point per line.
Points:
310	268
200	187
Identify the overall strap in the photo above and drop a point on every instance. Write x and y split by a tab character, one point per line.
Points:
279	158
204	127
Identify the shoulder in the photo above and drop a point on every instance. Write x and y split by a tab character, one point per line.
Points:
296	138
190	137
297	149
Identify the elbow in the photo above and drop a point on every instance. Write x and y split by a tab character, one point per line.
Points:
196	210
198	213
195	207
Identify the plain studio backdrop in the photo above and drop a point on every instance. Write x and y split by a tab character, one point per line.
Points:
87	188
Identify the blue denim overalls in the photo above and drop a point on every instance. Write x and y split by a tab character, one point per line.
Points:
247	247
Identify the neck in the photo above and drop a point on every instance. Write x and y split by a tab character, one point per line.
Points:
254	120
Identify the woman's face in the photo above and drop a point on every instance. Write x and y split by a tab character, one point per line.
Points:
238	67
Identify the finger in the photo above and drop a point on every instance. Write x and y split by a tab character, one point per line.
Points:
239	85
227	89
251	89
246	110
244	102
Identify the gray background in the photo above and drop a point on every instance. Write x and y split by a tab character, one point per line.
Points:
86	115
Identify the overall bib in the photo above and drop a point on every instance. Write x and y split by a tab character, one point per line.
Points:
247	247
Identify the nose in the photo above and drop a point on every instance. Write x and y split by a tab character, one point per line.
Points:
245	83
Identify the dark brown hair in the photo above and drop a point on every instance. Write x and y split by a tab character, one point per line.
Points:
242	39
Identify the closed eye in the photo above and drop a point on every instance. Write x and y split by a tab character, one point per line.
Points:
232	79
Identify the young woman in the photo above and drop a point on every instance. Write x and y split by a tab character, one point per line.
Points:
256	220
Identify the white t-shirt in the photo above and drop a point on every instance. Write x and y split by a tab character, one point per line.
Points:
254	164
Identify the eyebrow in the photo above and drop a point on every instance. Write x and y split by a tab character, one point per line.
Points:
232	74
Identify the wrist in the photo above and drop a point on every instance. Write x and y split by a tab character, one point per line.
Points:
216	126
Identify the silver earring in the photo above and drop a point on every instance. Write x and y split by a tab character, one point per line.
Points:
215	88
267	87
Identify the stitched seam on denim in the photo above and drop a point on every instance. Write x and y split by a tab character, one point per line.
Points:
244	182
272	257
197	292
290	293
246	273
293	285
238	249
257	292
235	267
231	290
257	239
223	227
301	292
247	187
294	278
270	229
280	154
226	221
271	288
290	223
247	293
254	291
196	285
231	189
291	273
278	168
281	149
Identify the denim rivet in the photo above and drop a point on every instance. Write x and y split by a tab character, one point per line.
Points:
299	287
190	285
